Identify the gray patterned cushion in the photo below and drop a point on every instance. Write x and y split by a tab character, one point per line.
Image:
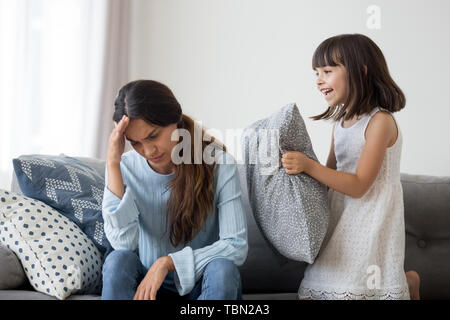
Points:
291	210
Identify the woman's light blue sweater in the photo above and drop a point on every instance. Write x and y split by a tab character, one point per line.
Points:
138	221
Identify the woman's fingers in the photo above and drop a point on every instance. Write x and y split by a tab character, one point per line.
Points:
142	294
147	295
153	294
139	293
123	123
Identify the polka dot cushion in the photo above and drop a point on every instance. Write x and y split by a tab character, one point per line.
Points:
58	258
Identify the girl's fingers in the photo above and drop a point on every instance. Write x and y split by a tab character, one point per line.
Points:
287	166
288	163
290	171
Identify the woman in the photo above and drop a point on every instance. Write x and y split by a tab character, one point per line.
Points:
178	229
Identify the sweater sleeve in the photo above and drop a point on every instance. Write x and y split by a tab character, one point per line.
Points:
120	217
232	243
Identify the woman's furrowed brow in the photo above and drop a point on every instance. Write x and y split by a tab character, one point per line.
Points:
151	133
148	136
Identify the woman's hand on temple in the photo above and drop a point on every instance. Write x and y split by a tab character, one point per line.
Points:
116	144
152	281
294	162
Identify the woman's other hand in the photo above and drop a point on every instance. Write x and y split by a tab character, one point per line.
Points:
152	281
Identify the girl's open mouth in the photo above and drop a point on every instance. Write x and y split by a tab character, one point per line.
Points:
326	92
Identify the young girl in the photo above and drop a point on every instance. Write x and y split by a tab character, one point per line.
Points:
362	255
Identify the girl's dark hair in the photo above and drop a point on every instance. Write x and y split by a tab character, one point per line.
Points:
192	187
369	82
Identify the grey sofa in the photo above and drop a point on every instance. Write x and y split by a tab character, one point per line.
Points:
266	275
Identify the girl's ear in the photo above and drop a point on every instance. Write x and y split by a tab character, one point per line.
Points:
365	70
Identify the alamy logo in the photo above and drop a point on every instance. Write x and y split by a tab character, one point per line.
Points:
374	277
266	141
74	278
374	19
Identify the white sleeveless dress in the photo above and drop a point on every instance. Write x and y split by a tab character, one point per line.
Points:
362	255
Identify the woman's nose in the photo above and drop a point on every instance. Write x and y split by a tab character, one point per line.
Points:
150	150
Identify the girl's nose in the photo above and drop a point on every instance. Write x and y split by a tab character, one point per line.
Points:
319	80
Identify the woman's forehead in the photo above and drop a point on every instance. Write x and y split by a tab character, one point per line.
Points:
139	129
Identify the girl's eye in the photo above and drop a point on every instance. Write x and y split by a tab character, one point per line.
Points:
134	143
327	71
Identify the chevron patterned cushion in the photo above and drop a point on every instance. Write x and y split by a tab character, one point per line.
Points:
70	186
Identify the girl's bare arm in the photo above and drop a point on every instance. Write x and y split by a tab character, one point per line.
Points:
380	133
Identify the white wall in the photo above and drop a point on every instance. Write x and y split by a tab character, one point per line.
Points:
232	62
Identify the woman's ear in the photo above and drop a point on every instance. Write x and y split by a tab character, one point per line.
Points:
365	70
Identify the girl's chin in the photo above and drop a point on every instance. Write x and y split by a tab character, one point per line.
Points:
333	104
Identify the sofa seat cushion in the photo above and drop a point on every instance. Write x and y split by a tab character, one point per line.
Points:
35	295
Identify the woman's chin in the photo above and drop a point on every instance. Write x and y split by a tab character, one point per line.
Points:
163	167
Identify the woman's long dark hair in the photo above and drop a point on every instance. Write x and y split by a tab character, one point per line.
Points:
369	82
192	187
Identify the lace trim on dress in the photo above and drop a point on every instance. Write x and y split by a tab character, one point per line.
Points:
388	294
